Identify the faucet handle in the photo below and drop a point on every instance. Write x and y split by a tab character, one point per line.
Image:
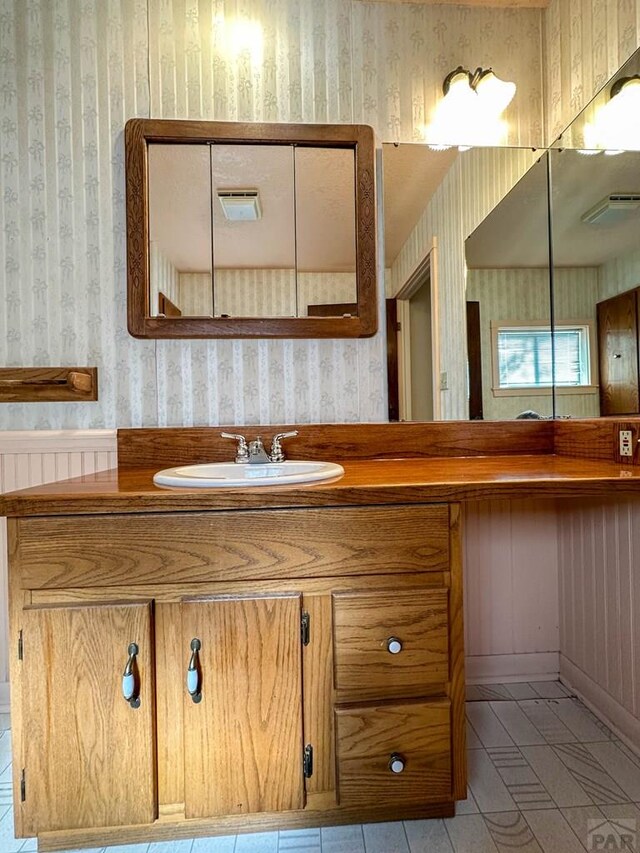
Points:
277	454
242	452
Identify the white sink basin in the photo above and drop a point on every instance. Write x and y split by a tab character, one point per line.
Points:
232	475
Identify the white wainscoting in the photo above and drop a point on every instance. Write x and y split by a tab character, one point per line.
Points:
30	458
599	553
511	591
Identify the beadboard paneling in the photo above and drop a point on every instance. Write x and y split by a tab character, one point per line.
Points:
599	554
30	459
511	586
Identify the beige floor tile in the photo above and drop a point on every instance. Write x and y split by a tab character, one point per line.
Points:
487	726
548	724
385	838
520	729
469	834
584	725
553	832
488	789
427	836
621	769
555	776
510	831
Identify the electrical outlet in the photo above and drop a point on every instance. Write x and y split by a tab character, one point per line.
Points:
444	381
626	442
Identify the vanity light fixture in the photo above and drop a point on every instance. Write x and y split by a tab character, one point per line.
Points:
240	205
616	125
471	109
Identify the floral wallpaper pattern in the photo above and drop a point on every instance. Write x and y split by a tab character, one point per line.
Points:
586	41
73	71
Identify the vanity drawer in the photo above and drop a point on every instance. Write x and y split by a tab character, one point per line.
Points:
111	550
393	643
414	736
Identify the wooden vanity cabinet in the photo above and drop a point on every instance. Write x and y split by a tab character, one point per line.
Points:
327	684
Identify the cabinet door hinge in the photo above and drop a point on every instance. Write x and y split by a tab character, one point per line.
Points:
305	621
307	761
20	646
398	327
23	787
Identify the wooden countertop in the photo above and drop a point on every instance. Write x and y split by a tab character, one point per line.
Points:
364	482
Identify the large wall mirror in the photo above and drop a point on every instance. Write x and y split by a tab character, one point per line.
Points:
250	230
504	315
595	207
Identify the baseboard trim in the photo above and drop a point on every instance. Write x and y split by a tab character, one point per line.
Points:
535	666
614	715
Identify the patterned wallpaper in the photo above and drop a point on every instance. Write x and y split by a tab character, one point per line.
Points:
73	71
585	42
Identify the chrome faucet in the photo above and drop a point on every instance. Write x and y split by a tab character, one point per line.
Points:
254	452
257	453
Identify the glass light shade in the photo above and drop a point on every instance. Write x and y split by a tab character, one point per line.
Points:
494	93
616	125
470	116
454	116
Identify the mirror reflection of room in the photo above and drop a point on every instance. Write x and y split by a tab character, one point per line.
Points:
242	230
595	208
596	240
508	280
508	306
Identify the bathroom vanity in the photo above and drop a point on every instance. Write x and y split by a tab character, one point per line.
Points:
292	656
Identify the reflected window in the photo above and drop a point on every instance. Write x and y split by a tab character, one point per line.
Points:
523	356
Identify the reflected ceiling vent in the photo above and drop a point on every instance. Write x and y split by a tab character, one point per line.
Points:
613	208
240	205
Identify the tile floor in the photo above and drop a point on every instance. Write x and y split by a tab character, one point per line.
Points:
545	776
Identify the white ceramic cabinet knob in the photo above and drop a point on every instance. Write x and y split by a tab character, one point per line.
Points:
394	645
396	762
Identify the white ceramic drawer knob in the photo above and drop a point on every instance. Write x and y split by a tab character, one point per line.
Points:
394	645
396	762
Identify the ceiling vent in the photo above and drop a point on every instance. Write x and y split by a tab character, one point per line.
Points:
613	208
240	205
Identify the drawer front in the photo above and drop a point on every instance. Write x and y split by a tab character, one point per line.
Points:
389	644
112	550
414	738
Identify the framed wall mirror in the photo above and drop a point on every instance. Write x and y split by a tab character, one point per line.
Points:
595	210
250	230
496	354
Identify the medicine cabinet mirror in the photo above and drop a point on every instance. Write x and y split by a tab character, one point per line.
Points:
506	291
595	214
250	230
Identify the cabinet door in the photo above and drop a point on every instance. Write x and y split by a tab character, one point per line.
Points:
243	739
89	755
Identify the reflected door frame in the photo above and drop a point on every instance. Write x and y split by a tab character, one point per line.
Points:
427	270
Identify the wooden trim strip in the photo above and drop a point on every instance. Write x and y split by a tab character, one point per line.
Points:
48	384
166	447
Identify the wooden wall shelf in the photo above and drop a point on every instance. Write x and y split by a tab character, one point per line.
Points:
48	384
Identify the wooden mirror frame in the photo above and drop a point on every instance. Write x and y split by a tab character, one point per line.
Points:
140	132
